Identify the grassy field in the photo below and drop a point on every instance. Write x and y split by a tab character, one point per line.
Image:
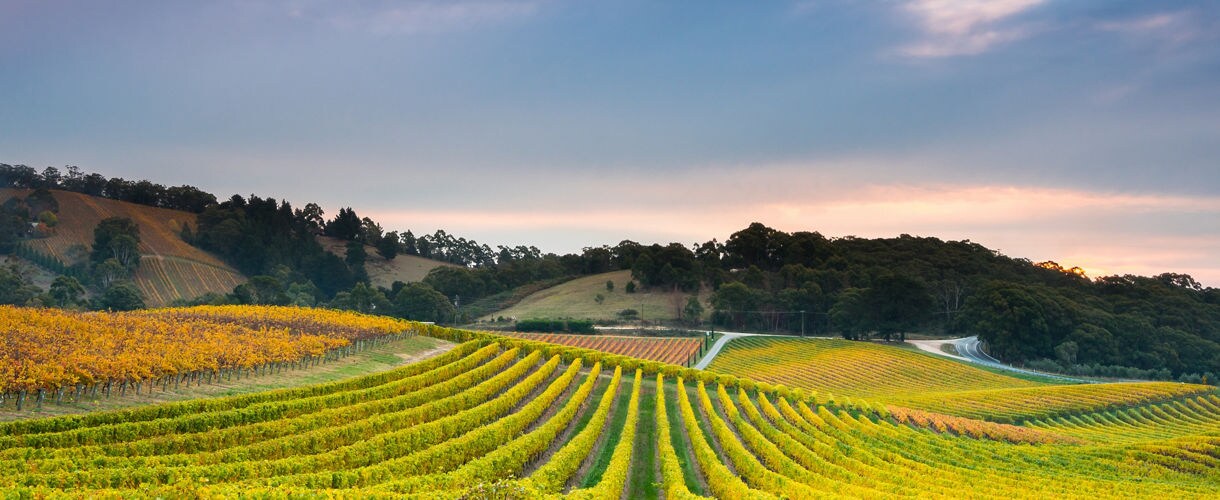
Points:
382	272
170	268
577	299
496	417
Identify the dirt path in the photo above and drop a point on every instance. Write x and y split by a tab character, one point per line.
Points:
378	359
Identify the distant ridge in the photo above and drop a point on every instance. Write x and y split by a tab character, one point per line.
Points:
170	268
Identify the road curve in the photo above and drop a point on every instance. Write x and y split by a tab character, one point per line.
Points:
970	349
726	337
711	353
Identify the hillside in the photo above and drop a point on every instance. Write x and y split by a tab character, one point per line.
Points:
577	299
852	368
507	418
169	267
382	272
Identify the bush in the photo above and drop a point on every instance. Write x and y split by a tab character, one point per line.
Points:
555	325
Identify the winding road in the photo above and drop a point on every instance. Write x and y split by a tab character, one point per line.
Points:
970	349
726	337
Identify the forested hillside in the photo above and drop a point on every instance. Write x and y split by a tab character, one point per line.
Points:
1042	314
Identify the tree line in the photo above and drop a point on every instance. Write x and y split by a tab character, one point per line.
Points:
762	279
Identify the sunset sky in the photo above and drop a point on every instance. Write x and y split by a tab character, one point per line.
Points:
1081	131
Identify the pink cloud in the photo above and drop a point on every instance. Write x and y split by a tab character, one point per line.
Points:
964	27
1073	227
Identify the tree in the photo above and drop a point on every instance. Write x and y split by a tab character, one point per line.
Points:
312	217
122	296
345	226
387	246
733	300
756	245
370	231
643	269
14	289
41	200
897	304
262	290
599	298
630	288
849	315
66	291
329	273
1011	320
355	255
109	271
420	302
48	218
453	281
408	244
610	286
693	310
362	298
1066	352
126	250
110	228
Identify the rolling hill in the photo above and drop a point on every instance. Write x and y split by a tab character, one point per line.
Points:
170	268
577	299
499	417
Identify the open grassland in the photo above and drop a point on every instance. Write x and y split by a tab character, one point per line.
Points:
856	369
170	268
513	418
577	299
672	350
382	272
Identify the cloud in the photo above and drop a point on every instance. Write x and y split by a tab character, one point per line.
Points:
1103	232
964	27
1169	28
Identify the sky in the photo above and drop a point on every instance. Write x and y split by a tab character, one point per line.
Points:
1081	131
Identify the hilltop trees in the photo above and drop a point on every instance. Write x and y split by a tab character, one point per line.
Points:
762	278
187	198
387	246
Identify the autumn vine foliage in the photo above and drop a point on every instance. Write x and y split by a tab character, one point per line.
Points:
501	417
50	351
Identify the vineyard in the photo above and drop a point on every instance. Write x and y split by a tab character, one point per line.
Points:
170	268
501	417
672	350
65	354
855	369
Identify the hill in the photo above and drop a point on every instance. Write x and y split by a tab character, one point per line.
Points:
383	273
853	368
169	267
511	418
577	299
